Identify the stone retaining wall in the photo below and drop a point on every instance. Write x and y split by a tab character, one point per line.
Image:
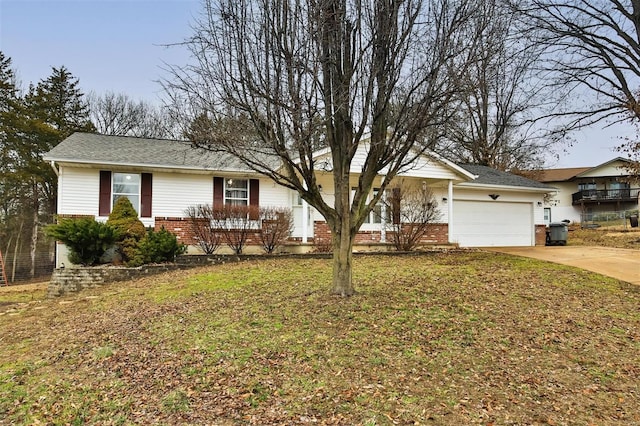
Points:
73	280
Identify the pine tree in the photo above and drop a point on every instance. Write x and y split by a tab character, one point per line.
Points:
12	188
53	110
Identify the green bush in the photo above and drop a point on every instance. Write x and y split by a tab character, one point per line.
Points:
86	238
124	218
156	247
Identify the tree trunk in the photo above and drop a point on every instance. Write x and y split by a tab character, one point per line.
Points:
34	244
342	258
16	250
342	263
34	231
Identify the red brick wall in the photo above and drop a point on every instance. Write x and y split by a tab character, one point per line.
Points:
541	235
178	226
183	230
438	233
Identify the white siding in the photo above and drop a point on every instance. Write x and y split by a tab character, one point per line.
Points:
274	195
174	192
78	191
560	213
614	169
423	167
431	169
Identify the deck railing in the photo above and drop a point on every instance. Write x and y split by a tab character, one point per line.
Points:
597	195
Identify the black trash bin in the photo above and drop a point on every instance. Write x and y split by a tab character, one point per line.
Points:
557	234
634	221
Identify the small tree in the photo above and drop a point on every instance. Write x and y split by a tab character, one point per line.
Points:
412	209
124	219
236	224
203	220
277	225
86	239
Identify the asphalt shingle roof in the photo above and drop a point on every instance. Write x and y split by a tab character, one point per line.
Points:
164	153
125	150
488	176
560	175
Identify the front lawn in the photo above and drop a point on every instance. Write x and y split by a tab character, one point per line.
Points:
448	339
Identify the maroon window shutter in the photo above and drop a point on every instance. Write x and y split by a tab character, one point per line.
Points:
395	205
254	199
146	191
104	205
218	192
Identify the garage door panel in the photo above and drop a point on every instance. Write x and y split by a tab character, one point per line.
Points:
486	224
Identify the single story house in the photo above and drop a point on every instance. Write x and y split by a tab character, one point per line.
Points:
479	206
585	192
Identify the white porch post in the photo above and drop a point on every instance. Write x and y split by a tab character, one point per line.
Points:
383	219
450	210
305	221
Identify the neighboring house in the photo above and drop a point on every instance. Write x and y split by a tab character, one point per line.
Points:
585	192
479	206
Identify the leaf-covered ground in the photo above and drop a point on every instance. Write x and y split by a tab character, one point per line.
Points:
447	338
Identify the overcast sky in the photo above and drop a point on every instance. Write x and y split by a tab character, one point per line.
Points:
120	46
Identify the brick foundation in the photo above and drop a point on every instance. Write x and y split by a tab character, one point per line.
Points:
183	229
438	233
541	235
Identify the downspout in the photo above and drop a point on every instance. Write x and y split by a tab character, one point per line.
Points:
56	253
55	169
450	211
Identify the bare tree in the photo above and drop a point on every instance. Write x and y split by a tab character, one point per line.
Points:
118	114
593	47
413	210
277	225
202	219
236	223
502	94
333	73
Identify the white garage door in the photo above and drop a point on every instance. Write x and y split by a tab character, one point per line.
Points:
492	223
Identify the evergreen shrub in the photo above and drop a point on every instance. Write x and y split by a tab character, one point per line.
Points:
86	238
156	247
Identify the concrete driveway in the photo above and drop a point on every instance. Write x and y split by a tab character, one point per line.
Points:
623	264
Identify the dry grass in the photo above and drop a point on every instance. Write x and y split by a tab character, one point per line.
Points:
448	339
605	237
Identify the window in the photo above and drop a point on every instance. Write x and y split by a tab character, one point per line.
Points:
126	185
619	190
590	186
619	185
547	215
236	192
375	215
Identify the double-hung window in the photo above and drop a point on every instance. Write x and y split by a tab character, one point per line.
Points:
236	192
375	215
126	185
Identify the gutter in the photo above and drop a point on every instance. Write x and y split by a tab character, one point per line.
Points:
55	169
